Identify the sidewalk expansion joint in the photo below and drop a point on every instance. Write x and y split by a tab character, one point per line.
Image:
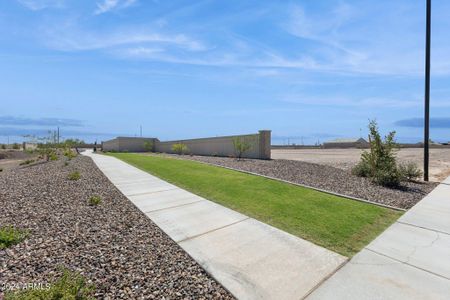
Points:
140	194
215	229
175	206
421	227
325	279
408	264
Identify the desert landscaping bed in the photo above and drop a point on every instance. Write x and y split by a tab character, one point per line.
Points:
326	178
112	244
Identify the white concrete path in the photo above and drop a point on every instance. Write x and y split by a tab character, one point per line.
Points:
410	260
249	258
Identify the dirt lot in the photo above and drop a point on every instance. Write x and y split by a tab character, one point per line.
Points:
10	159
347	158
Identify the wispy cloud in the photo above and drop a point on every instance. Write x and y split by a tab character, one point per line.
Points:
142	38
348	38
20	121
25	132
109	5
350	101
442	123
42	4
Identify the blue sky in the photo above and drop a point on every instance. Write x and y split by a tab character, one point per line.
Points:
307	70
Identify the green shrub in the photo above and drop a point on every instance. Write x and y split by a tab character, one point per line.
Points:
71	286
387	177
409	171
362	169
74	175
180	148
148	146
95	200
69	153
3	146
16	146
10	236
240	147
29	151
379	163
47	152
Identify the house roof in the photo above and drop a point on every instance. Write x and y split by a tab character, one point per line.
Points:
348	140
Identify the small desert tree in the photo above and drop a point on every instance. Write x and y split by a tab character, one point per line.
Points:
148	146
180	148
379	163
240	147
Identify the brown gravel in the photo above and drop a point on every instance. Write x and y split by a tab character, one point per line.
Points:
114	245
326	178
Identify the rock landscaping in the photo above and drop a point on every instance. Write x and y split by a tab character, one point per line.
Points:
111	244
326	178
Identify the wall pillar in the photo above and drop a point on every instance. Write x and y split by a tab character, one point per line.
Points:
264	144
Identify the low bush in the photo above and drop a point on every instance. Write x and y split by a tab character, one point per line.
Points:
3	146
409	171
74	175
362	169
387	177
16	146
66	163
1	169
95	200
148	146
71	286
47	152
69	154
10	236
180	148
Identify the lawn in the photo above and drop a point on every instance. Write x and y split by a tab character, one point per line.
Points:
336	223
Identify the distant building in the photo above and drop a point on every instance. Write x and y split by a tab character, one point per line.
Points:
346	143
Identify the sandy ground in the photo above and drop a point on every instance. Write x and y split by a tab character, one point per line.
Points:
10	159
347	158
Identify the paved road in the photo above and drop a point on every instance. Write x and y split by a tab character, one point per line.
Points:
249	258
410	260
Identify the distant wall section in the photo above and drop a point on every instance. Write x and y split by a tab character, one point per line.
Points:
212	146
129	144
223	145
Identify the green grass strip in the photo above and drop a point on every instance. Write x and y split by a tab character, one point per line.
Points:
339	224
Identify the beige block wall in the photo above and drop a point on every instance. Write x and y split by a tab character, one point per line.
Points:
111	145
223	146
129	144
214	146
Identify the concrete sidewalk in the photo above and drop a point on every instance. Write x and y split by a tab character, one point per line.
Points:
410	260
249	258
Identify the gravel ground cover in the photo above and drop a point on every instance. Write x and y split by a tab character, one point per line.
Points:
327	178
113	244
348	158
